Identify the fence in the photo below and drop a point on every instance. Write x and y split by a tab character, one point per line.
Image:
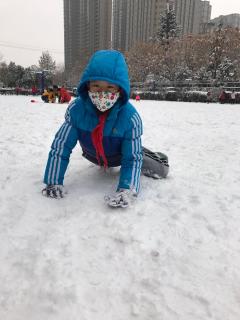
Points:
185	90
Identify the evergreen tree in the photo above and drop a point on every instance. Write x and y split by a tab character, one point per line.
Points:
168	28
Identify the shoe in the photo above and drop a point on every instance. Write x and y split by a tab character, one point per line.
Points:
150	173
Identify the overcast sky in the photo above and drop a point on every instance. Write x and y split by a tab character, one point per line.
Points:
31	24
37	25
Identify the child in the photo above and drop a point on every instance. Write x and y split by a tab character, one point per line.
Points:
51	96
63	95
45	96
209	96
137	98
48	96
222	96
107	126
233	97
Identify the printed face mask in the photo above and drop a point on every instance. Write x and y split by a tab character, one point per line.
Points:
103	100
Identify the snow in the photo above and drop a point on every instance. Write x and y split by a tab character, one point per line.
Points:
204	93
173	255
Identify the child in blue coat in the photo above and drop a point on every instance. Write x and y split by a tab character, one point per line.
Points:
106	125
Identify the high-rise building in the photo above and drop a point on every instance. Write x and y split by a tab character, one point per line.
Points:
90	25
87	28
138	20
135	21
230	20
206	10
192	15
185	14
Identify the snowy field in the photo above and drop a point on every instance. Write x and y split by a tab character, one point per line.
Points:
174	255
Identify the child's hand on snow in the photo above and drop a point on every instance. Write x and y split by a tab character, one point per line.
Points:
55	191
122	198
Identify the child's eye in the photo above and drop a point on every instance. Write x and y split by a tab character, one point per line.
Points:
110	88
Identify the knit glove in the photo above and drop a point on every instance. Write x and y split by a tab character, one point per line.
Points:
55	191
122	198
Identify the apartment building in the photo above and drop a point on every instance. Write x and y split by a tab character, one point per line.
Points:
230	20
87	28
192	15
135	21
206	10
90	25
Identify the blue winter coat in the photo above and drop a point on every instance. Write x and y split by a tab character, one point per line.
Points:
122	131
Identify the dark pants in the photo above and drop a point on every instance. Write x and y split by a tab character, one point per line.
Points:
155	164
44	98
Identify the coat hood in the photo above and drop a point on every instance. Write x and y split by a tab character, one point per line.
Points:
106	65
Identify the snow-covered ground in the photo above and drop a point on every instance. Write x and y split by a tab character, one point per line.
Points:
174	255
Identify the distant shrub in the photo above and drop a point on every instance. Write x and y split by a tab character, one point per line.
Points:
148	95
195	96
